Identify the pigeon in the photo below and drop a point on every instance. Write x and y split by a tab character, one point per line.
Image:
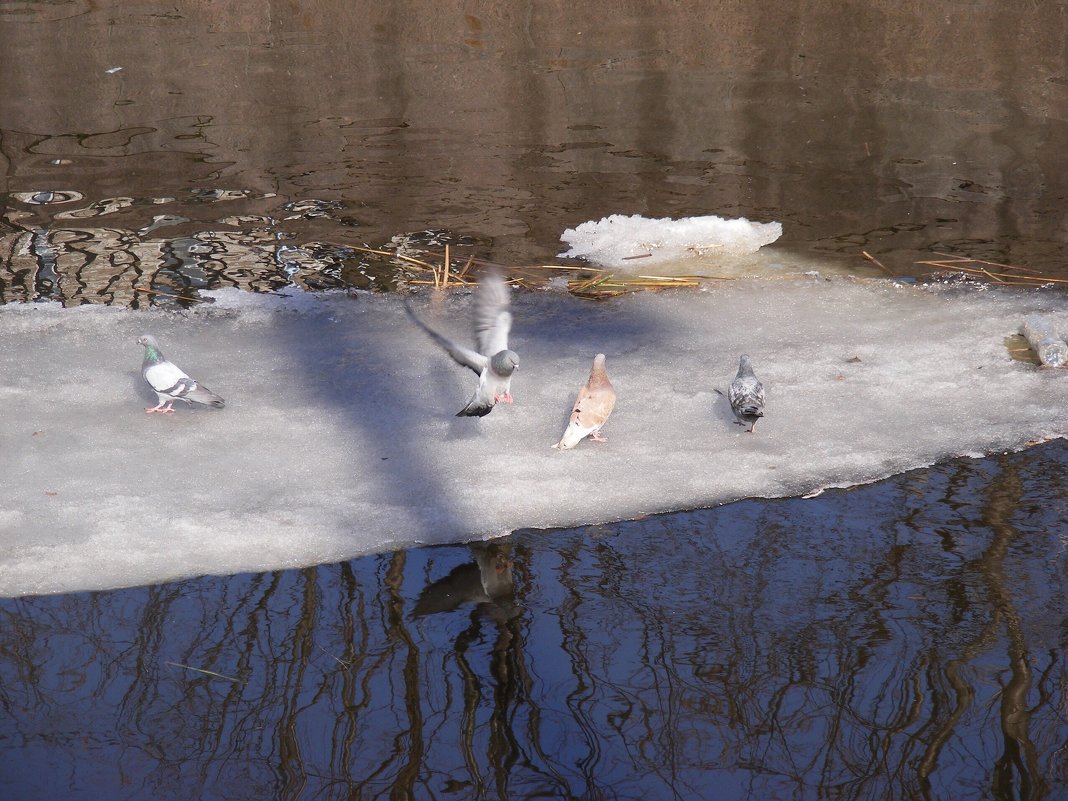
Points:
169	382
592	407
493	362
746	395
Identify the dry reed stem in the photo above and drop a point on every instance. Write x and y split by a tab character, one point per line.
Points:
599	281
1018	283
592	282
663	284
877	263
568	268
952	265
394	255
990	263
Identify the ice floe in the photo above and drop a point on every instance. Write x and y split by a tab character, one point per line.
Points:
339	436
636	243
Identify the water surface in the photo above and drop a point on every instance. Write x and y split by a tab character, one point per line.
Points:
901	640
253	145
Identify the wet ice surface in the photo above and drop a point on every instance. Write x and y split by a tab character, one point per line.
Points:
339	436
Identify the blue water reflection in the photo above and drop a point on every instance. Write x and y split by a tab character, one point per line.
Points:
903	640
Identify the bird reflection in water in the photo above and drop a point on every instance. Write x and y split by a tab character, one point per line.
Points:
496	675
488	582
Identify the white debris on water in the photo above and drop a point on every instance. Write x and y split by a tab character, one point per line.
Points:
637	242
1041	335
339	439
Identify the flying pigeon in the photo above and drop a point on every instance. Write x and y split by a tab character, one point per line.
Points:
592	407
169	382
746	395
492	361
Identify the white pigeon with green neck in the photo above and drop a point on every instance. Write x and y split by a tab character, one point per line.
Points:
169	382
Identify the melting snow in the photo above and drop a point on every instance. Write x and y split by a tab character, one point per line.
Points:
637	242
339	436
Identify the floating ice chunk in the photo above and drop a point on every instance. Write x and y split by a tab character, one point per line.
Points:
338	436
1051	349
636	241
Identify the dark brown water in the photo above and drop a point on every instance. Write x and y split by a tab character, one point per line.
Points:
252	144
904	640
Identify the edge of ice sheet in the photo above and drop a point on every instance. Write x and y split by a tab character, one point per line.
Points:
339	437
636	242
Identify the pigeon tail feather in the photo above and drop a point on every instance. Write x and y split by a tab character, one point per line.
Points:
205	396
572	437
475	409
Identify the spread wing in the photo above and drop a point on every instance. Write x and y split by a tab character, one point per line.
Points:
493	321
463	356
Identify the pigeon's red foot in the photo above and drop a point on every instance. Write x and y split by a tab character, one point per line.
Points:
597	436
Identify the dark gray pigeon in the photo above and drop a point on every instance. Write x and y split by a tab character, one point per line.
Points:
493	362
169	382
746	395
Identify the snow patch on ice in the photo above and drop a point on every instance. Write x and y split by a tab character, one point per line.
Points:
286	299
339	438
636	242
10	517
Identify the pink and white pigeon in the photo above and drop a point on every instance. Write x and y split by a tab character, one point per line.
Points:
492	362
169	382
592	407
